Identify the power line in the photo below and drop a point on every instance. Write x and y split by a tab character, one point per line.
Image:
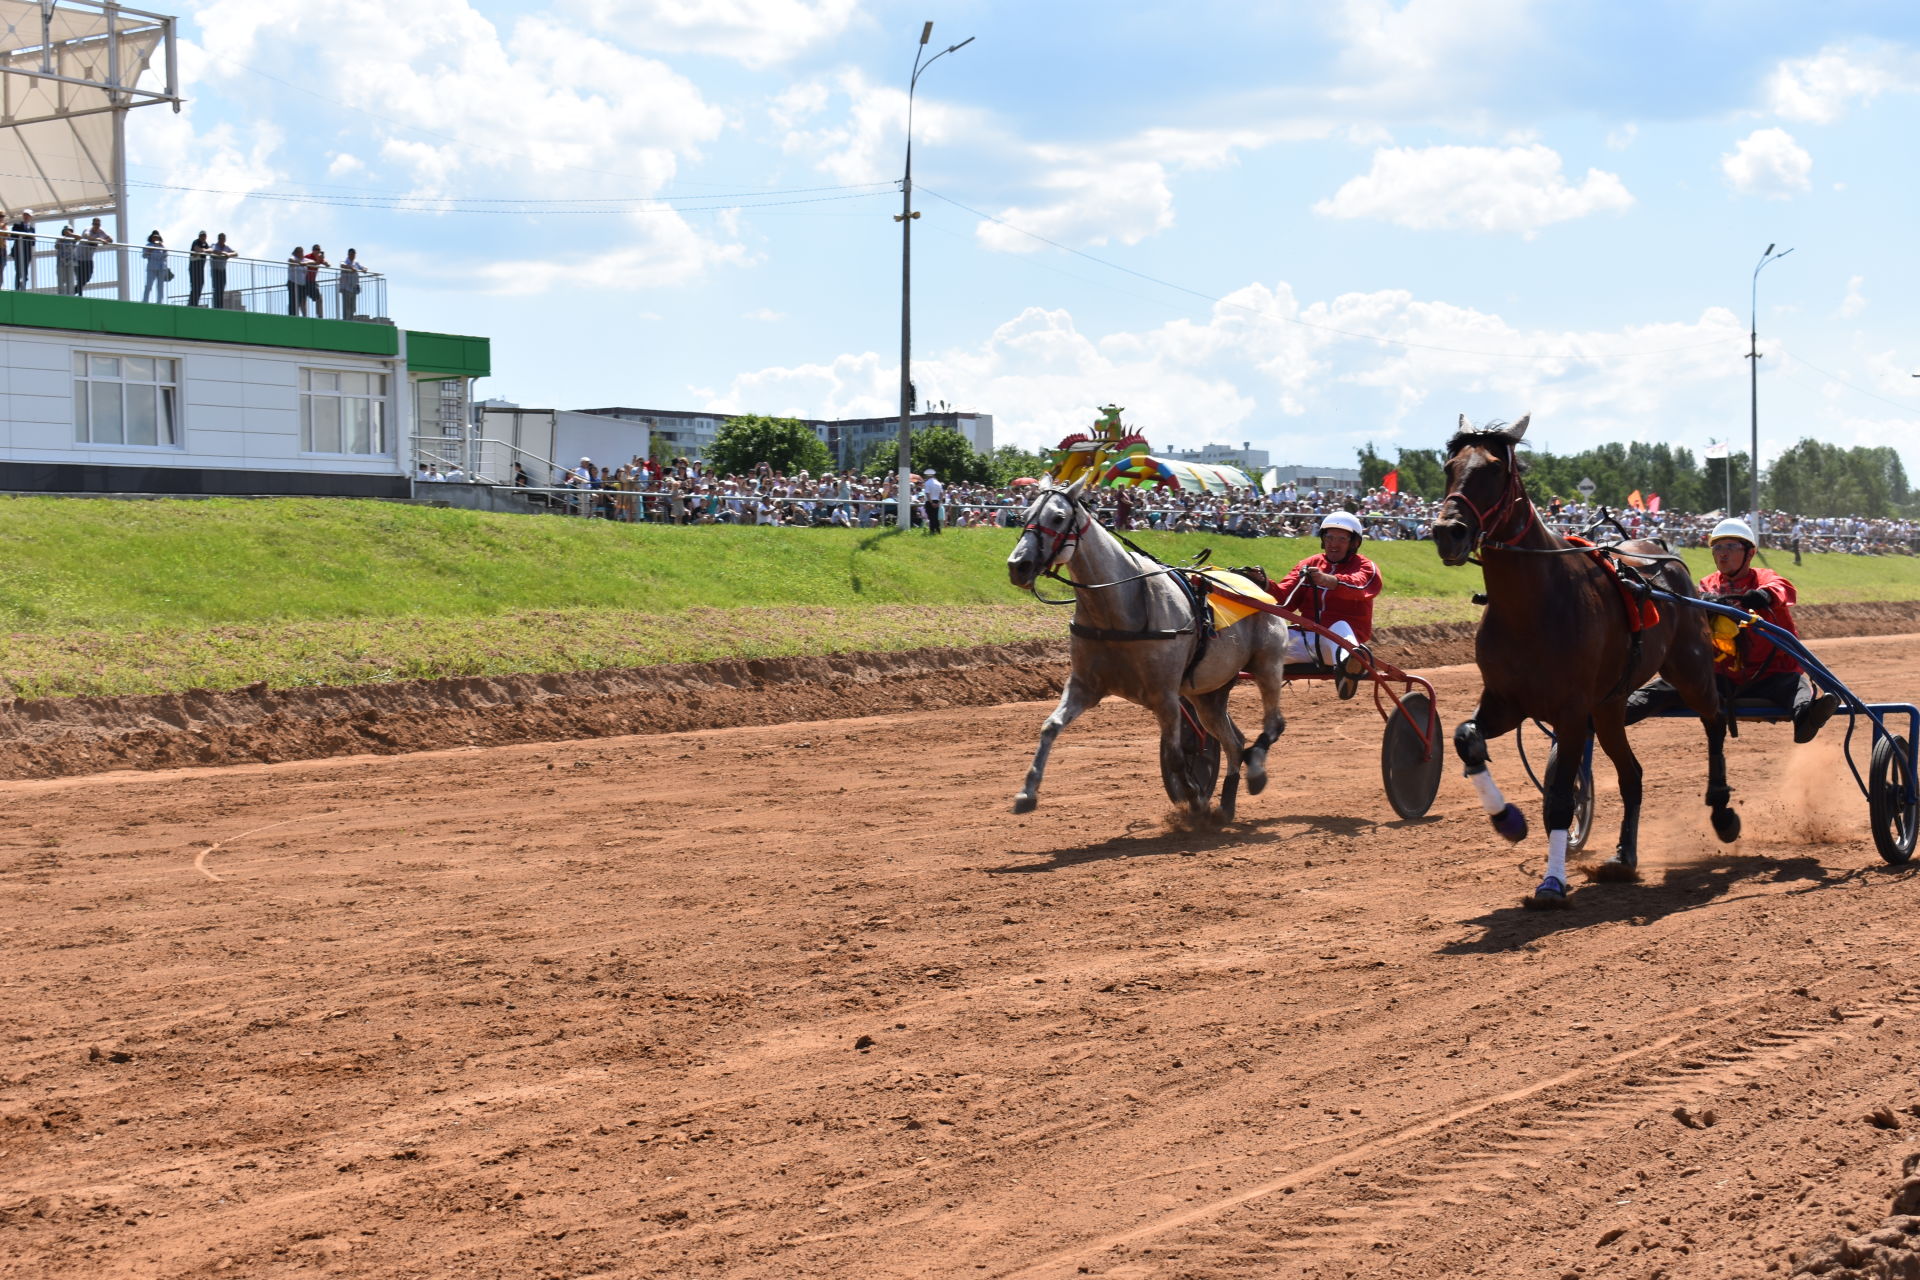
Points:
1873	395
1326	328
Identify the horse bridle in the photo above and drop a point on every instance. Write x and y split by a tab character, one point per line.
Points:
1513	497
1063	539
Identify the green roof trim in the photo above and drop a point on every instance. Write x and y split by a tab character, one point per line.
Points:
196	324
431	355
448	355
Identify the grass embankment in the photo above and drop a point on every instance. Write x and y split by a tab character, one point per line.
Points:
100	597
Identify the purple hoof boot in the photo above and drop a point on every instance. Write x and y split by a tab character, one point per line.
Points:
1550	896
1510	822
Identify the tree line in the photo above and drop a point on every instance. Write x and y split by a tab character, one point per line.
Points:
1811	478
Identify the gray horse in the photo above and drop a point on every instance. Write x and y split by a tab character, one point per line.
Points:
1134	636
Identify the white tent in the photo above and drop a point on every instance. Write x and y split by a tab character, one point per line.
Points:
69	72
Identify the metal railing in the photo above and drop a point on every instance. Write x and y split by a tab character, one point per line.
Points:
79	267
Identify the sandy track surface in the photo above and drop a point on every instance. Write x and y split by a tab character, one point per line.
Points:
805	1000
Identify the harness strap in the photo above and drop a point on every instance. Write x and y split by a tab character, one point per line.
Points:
1108	633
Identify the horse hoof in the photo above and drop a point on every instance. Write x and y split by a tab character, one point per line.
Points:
1256	783
1024	803
1621	868
1550	896
1511	823
1726	825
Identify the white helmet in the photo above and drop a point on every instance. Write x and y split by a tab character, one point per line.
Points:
1732	528
1344	520
929	473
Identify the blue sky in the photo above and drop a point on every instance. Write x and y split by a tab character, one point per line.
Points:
1307	226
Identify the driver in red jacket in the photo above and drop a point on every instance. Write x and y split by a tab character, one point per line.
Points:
1336	589
1756	667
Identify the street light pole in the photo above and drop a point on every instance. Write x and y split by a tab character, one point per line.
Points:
1753	379
903	490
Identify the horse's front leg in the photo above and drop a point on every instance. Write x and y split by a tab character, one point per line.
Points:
1173	757
1563	770
1269	675
1470	744
1074	699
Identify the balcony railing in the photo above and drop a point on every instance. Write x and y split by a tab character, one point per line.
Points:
177	277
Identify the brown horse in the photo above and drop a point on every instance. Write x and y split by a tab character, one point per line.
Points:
1557	646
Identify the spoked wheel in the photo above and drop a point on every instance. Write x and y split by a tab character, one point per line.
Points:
1410	768
1893	809
1582	809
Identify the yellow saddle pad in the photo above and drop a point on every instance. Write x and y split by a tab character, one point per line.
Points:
1228	612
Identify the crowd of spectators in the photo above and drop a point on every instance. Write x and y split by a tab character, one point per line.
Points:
688	492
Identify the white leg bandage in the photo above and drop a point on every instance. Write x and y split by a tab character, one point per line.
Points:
1490	798
1557	855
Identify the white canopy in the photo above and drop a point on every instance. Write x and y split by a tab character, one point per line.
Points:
68	68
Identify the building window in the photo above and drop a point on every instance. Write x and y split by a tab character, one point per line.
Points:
343	412
125	400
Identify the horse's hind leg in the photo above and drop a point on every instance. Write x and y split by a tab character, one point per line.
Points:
1211	711
1074	699
1269	676
1610	727
1470	744
1694	678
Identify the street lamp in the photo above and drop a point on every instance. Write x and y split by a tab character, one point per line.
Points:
903	492
1753	354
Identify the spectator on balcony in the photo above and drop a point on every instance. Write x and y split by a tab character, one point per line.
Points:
197	268
296	281
155	254
350	270
218	255
90	241
24	238
310	288
63	255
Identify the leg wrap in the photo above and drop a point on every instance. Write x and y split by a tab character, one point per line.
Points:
1470	747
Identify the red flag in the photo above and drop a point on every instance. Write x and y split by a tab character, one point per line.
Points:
1653	504
1635	501
1391	481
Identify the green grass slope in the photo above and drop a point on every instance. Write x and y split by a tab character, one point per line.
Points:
103	597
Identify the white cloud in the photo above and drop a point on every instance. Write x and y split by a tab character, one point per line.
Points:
1127	203
1854	303
868	142
1474	188
1266	367
1820	89
657	250
1623	137
758	33
449	94
765	314
1768	162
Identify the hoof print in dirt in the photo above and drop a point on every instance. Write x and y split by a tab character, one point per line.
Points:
1696	1119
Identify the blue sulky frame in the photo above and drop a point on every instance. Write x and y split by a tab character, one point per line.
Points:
1892	784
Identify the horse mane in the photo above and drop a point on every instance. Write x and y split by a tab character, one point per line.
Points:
1486	435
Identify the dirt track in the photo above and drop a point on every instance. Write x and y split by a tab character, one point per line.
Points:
598	1008
58	737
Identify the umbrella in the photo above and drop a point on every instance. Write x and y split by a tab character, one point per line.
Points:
1020	480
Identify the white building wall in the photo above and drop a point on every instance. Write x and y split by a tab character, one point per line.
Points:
238	407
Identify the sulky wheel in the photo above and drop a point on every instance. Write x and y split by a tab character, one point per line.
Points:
1409	768
1582	809
1893	810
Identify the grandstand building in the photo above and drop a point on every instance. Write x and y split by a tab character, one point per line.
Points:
105	396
